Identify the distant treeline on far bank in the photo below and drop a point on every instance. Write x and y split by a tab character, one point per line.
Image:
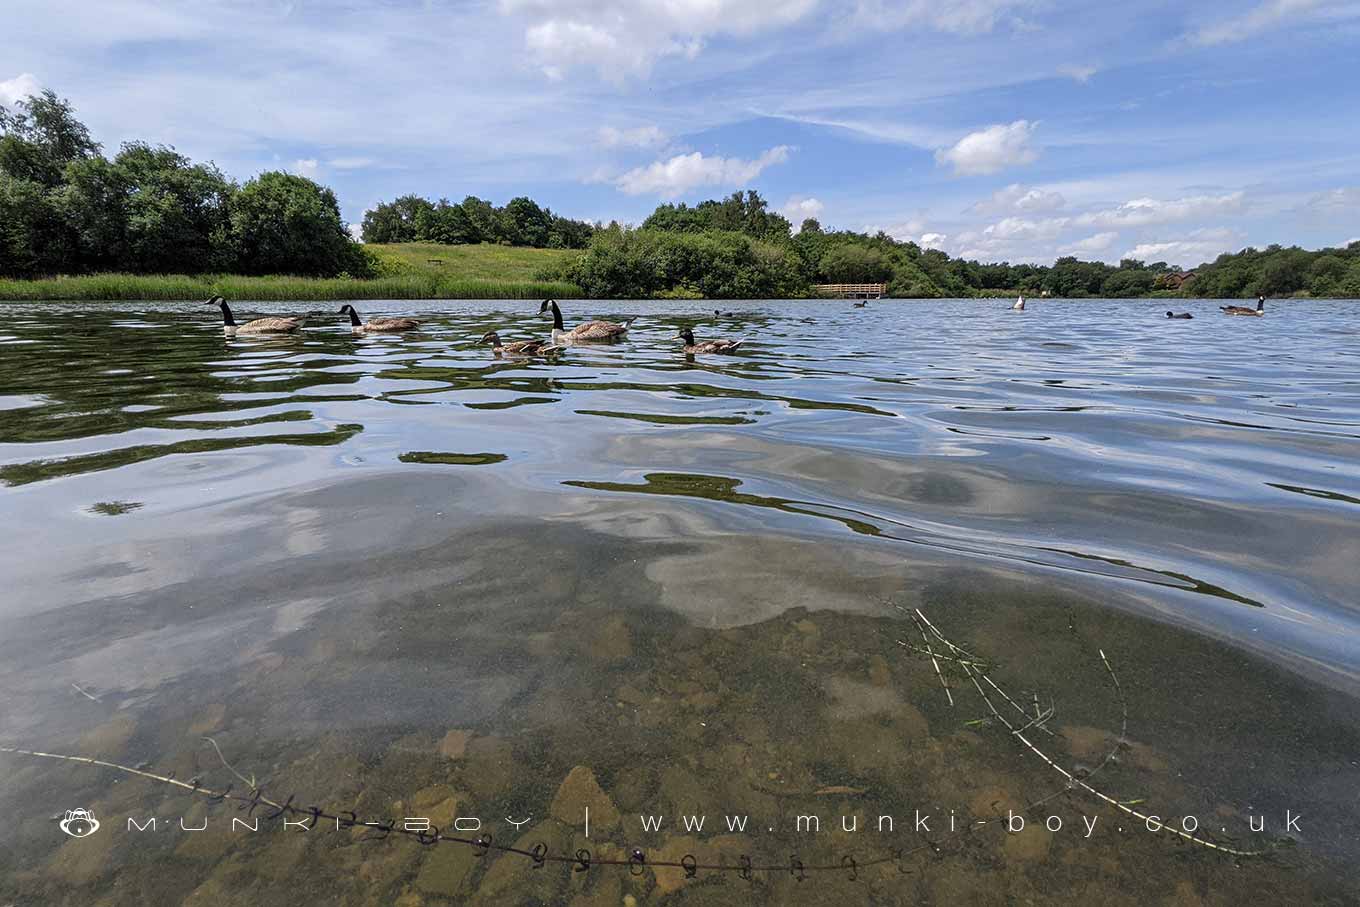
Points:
66	209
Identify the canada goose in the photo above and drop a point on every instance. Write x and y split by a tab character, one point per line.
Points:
586	331
1019	304
377	325
1181	315
717	313
519	347
1246	310
708	346
275	325
860	305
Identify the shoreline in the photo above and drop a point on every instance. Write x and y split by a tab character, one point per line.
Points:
116	287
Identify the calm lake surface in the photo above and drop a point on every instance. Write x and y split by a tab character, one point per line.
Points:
401	576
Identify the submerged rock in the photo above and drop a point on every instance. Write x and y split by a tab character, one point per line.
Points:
578	791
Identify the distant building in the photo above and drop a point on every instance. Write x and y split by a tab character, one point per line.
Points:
1174	280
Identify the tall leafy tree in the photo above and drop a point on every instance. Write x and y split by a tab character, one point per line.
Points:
282	223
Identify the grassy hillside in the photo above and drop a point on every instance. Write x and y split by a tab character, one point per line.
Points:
462	272
479	262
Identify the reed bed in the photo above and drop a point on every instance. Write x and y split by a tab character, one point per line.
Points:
187	287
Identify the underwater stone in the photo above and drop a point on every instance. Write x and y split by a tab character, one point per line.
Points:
578	791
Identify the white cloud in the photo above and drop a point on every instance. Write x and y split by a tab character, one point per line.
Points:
1019	199
1011	228
991	149
622	38
797	208
18	88
356	232
958	16
350	163
932	240
685	172
1091	245
1142	212
1195	248
637	137
1077	72
1255	20
1336	201
308	167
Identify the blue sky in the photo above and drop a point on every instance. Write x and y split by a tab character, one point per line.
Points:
998	129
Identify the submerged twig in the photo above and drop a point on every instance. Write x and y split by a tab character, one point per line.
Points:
249	782
979	677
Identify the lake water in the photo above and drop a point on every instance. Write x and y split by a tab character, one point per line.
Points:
403	577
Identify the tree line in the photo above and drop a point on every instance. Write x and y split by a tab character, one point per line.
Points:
65	208
737	247
521	222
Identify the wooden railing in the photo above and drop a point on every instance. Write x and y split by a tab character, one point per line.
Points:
852	290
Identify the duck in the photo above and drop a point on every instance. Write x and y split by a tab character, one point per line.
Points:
377	325
1181	315
519	347
275	325
708	346
1246	310
586	331
1019	304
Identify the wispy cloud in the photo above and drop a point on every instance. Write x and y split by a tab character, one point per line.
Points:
1268	15
622	38
1195	248
1078	72
1143	212
636	137
798	208
1018	199
959	16
309	167
18	88
991	150
684	173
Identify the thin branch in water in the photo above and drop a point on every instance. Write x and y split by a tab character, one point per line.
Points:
249	782
1019	733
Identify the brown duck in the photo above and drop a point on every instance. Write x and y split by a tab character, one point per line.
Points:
519	347
708	346
377	325
586	331
1246	310
276	325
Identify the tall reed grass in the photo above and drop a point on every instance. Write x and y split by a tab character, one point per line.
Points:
180	286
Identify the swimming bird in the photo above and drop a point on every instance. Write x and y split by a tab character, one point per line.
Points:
860	305
1019	304
586	331
708	346
1246	310
276	325
377	325
519	347
719	313
1181	315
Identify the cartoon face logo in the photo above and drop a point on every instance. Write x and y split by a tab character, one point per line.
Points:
79	823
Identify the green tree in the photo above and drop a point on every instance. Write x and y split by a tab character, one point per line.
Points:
396	221
526	223
854	264
41	136
282	223
177	212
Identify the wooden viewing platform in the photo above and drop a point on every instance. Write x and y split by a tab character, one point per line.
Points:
852	290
